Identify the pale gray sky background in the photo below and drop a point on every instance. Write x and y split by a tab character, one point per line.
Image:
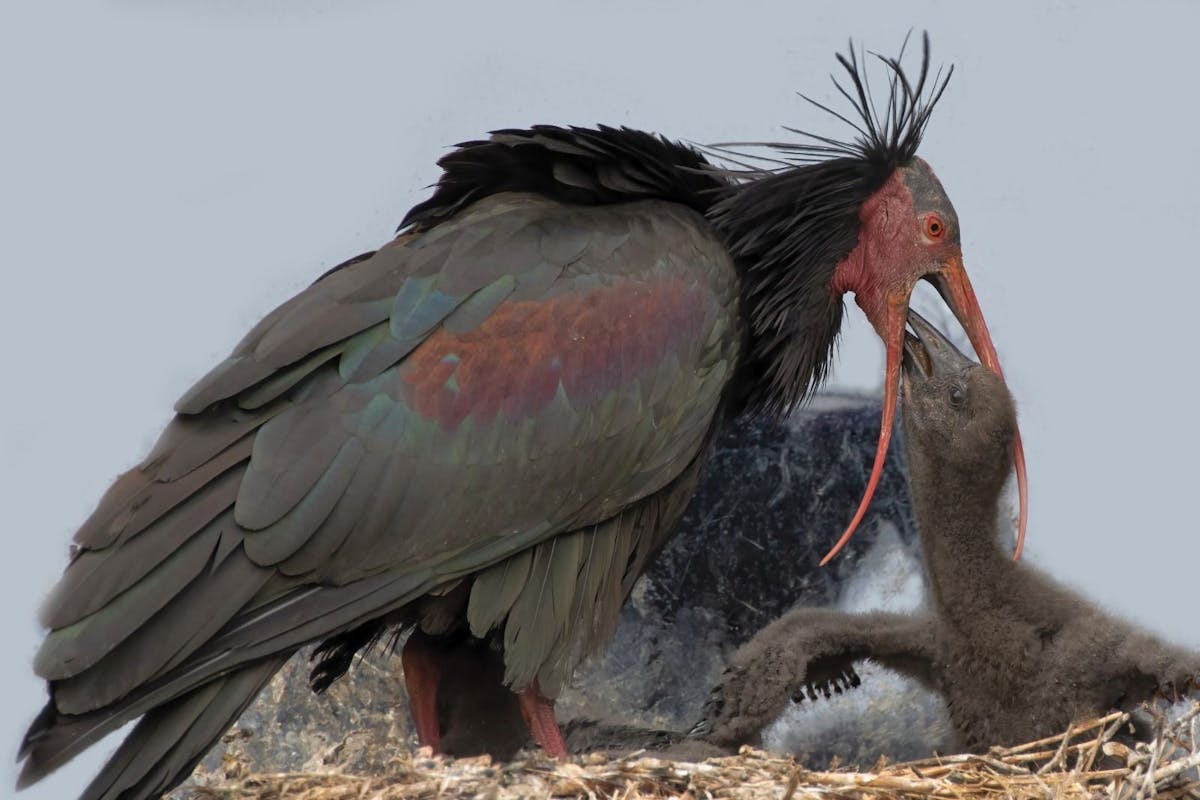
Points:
172	170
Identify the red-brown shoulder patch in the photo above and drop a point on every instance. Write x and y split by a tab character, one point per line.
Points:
590	342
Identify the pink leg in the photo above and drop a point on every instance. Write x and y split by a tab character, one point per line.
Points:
538	712
422	674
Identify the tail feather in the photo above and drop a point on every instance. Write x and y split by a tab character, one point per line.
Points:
269	634
54	738
160	751
168	741
165	746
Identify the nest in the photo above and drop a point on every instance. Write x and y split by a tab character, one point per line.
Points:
1087	761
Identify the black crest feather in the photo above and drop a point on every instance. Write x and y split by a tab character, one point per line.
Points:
886	140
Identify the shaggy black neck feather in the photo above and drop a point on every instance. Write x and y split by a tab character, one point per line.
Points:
788	231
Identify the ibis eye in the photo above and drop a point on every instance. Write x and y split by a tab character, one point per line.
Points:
934	227
957	395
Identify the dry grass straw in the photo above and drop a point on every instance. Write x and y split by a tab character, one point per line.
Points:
1085	762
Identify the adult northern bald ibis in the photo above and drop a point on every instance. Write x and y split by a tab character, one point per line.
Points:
487	426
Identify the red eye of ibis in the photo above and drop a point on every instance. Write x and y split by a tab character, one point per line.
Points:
934	227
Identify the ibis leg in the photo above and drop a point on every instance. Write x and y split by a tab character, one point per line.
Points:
422	675
538	711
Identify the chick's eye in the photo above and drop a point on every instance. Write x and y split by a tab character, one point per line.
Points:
957	395
934	227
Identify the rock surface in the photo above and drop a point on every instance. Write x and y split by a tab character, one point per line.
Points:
773	498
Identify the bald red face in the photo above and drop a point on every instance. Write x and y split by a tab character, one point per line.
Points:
909	232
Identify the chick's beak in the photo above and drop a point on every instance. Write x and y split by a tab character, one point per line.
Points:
928	353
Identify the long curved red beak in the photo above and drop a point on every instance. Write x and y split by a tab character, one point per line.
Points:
955	288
